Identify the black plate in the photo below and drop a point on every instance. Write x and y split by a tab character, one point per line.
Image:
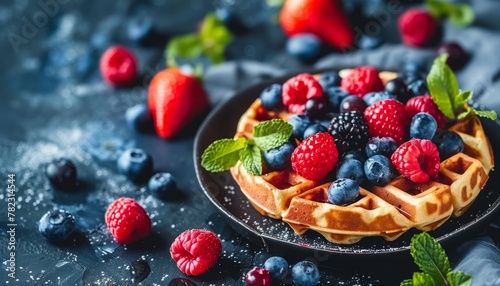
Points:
279	238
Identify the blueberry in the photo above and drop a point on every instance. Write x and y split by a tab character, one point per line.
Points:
380	146
300	122
277	267
140	29
329	79
314	129
414	66
343	191
334	96
353	103
139	118
62	174
136	164
303	46
316	107
372	97
418	87
366	42
279	158
457	56
411	76
305	273
354	154
379	170
231	20
398	87
350	169
448	142
271	97
423	126
56	226
139	270
162	185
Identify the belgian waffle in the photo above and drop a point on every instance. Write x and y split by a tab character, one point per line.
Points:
386	211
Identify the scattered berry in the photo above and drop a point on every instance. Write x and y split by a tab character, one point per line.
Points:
353	103
139	118
162	185
305	273
362	80
329	79
418	87
387	118
366	42
118	66
316	107
350	131
303	46
398	87
62	173
279	158
56	226
457	56
417	160
372	97
379	170
258	277
343	191
315	157
127	221
300	122
139	270
277	267
380	146
298	89
135	164
271	98
315	128
423	126
334	96
351	169
424	103
196	251
448	143
418	27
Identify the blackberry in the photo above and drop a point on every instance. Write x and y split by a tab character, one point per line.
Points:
350	131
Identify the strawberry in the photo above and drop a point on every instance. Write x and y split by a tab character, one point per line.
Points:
127	221
387	118
323	18
417	160
175	99
196	251
424	103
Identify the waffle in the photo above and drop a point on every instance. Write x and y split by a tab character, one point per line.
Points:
387	211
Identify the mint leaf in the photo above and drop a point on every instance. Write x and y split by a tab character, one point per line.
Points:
458	278
491	114
463	97
443	86
407	282
187	46
215	37
222	154
251	160
272	133
458	14
430	256
422	279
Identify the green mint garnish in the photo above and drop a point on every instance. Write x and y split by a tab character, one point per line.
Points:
210	41
445	92
434	264
458	14
223	154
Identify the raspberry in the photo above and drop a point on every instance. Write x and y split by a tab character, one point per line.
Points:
387	118
195	251
362	80
118	66
127	221
350	131
315	157
424	103
298	89
417	160
417	27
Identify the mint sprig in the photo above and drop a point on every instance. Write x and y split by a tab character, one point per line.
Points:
434	264
459	14
210	41
223	154
445	92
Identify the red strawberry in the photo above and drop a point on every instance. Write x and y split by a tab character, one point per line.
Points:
315	157
127	221
323	18
417	160
387	118
175	99
362	80
418	27
196	251
298	89
118	66
424	103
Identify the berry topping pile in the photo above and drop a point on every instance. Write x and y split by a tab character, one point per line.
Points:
298	89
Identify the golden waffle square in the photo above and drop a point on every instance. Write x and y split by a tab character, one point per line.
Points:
368	216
